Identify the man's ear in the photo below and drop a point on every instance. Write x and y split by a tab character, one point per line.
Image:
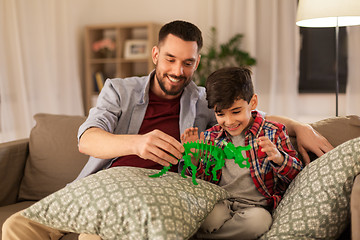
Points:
198	61
254	102
155	54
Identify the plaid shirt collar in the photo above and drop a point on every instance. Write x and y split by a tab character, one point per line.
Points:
257	124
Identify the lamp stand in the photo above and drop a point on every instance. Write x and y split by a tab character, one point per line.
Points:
337	65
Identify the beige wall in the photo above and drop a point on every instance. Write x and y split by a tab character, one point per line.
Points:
88	12
199	12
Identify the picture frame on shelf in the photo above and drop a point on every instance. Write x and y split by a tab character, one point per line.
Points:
136	48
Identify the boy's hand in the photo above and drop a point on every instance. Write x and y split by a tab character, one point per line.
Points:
191	135
271	150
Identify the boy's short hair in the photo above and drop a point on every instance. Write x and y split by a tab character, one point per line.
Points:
184	30
226	85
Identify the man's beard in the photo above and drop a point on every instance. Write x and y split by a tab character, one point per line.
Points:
171	92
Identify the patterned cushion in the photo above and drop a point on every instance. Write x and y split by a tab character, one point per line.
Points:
124	203
317	203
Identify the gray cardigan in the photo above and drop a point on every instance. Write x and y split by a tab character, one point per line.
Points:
121	107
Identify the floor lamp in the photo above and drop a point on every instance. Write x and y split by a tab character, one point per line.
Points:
329	13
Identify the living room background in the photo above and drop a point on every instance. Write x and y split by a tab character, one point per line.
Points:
41	60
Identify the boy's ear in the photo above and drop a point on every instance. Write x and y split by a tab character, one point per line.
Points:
254	102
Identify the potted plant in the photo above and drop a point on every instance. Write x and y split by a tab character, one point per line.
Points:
227	54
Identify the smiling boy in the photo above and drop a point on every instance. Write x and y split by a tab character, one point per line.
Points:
273	160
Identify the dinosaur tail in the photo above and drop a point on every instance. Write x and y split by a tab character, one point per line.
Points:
162	172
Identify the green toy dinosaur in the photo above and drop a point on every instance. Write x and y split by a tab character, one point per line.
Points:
205	151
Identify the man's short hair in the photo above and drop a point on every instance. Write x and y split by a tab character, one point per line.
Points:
184	30
226	85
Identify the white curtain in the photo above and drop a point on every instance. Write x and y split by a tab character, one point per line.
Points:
39	69
271	36
353	87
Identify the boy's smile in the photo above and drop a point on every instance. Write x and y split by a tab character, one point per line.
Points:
237	118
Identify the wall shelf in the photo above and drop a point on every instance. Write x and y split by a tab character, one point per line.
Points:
115	64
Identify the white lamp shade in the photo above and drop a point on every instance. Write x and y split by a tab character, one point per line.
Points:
328	13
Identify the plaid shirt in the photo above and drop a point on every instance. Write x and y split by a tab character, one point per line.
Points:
270	179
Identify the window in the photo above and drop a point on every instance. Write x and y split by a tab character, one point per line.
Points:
317	60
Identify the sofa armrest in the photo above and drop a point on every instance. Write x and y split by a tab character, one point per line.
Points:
13	157
336	130
355	209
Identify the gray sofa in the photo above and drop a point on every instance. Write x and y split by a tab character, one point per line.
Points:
33	168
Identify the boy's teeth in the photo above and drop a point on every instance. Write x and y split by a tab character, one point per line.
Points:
233	127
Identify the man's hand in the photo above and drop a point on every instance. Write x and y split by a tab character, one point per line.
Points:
156	145
159	147
308	139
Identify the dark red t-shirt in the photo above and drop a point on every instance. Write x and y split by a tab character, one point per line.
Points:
160	114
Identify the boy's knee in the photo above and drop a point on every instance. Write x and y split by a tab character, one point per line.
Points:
258	221
216	218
